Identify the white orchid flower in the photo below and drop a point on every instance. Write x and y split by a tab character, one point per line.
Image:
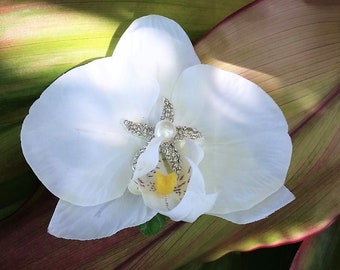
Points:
152	130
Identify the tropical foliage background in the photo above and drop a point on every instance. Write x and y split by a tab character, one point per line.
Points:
289	47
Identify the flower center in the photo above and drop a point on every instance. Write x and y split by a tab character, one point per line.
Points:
165	129
168	135
165	184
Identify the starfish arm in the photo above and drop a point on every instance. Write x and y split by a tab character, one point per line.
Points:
171	154
140	129
184	132
168	111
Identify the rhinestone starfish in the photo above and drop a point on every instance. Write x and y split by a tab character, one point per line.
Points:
168	131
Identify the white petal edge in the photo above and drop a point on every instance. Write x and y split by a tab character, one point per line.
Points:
192	150
74	138
218	103
148	160
274	202
93	222
195	202
246	145
248	170
159	47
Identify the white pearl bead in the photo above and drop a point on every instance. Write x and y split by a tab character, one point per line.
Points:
165	129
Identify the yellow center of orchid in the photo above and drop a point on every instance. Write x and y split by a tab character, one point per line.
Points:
165	184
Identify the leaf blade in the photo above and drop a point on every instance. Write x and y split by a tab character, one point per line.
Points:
153	226
319	251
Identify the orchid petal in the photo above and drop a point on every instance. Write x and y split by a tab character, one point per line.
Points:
191	150
74	138
195	201
159	47
84	223
263	209
246	146
248	170
149	159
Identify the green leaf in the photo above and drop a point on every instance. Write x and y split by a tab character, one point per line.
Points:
153	226
320	251
275	258
17	182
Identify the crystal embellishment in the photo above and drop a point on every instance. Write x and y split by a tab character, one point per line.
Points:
170	133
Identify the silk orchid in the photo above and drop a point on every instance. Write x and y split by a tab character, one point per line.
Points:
152	130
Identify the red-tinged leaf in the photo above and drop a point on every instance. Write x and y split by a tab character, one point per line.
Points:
320	251
273	258
25	243
293	55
